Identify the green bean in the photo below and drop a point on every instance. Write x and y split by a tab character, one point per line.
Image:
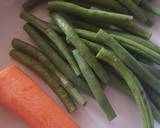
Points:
59	77
82	48
151	7
135	10
54	37
109	4
139	40
108	17
121	85
141	49
94	85
55	58
129	60
43	73
132	82
132	28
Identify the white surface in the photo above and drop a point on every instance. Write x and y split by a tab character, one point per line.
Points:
89	117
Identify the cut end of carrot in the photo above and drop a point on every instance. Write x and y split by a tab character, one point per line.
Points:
23	96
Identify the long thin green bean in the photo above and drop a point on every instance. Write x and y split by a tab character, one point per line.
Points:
132	28
139	40
141	49
129	60
55	58
109	4
56	75
94	85
133	84
122	86
98	15
82	48
42	72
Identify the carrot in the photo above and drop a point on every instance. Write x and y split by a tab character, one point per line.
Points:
23	96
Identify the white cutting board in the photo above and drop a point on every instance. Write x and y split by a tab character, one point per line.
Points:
89	117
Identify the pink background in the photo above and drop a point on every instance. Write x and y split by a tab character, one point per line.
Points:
89	117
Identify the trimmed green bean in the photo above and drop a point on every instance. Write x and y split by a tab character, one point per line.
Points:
55	58
132	28
82	48
108	17
139	40
133	84
59	77
94	85
43	73
141	49
109	4
129	60
122	86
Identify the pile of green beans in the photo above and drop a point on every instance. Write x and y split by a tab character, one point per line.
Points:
100	45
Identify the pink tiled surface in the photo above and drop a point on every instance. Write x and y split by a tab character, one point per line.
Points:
88	117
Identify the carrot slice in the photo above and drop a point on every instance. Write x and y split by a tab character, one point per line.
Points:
20	94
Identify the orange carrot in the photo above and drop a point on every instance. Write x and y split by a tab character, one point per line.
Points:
21	95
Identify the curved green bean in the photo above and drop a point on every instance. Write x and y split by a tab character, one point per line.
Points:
94	85
133	84
43	73
108	17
